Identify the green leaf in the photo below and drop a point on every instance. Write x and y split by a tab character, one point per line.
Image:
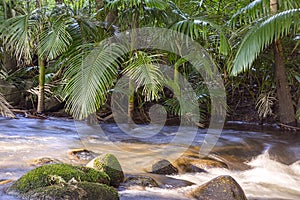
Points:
262	35
90	77
144	70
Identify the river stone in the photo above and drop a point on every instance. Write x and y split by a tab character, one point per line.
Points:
80	155
109	164
221	188
77	191
53	174
164	167
139	180
184	165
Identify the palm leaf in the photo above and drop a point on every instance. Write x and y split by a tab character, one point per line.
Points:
200	28
253	10
17	36
262	35
55	39
125	4
90	77
144	70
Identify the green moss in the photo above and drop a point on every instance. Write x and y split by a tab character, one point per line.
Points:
79	191
111	166
43	176
98	191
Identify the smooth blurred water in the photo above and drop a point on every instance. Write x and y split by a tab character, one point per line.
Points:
273	156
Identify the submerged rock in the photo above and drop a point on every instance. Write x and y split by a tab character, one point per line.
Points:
221	188
56	174
80	155
184	165
164	167
44	161
109	164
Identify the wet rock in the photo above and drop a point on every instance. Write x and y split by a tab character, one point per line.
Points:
139	180
53	104
164	167
194	165
208	164
80	155
44	161
109	164
221	188
77	191
56	174
183	164
169	182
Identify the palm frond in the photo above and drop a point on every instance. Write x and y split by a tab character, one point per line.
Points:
125	4
17	36
144	70
55	39
200	28
254	10
262	35
5	108
91	77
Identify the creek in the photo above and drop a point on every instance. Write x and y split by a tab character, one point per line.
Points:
265	161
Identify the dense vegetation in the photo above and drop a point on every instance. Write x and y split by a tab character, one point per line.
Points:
255	44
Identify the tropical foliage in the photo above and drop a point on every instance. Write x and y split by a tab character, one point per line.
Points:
62	44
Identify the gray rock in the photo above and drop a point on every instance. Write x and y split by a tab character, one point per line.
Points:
220	188
164	167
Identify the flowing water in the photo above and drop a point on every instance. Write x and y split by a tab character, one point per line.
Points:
265	162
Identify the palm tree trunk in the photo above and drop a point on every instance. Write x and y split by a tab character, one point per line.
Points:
130	103
41	95
131	98
286	109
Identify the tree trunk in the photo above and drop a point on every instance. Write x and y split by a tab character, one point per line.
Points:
286	109
130	110
41	95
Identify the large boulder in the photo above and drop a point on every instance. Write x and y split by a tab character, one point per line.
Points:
10	92
221	188
77	191
109	164
164	167
56	174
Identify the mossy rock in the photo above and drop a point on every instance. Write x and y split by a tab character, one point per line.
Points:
221	188
78	191
52	174
109	164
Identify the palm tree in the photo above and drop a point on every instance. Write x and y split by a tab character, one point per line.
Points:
39	32
269	24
